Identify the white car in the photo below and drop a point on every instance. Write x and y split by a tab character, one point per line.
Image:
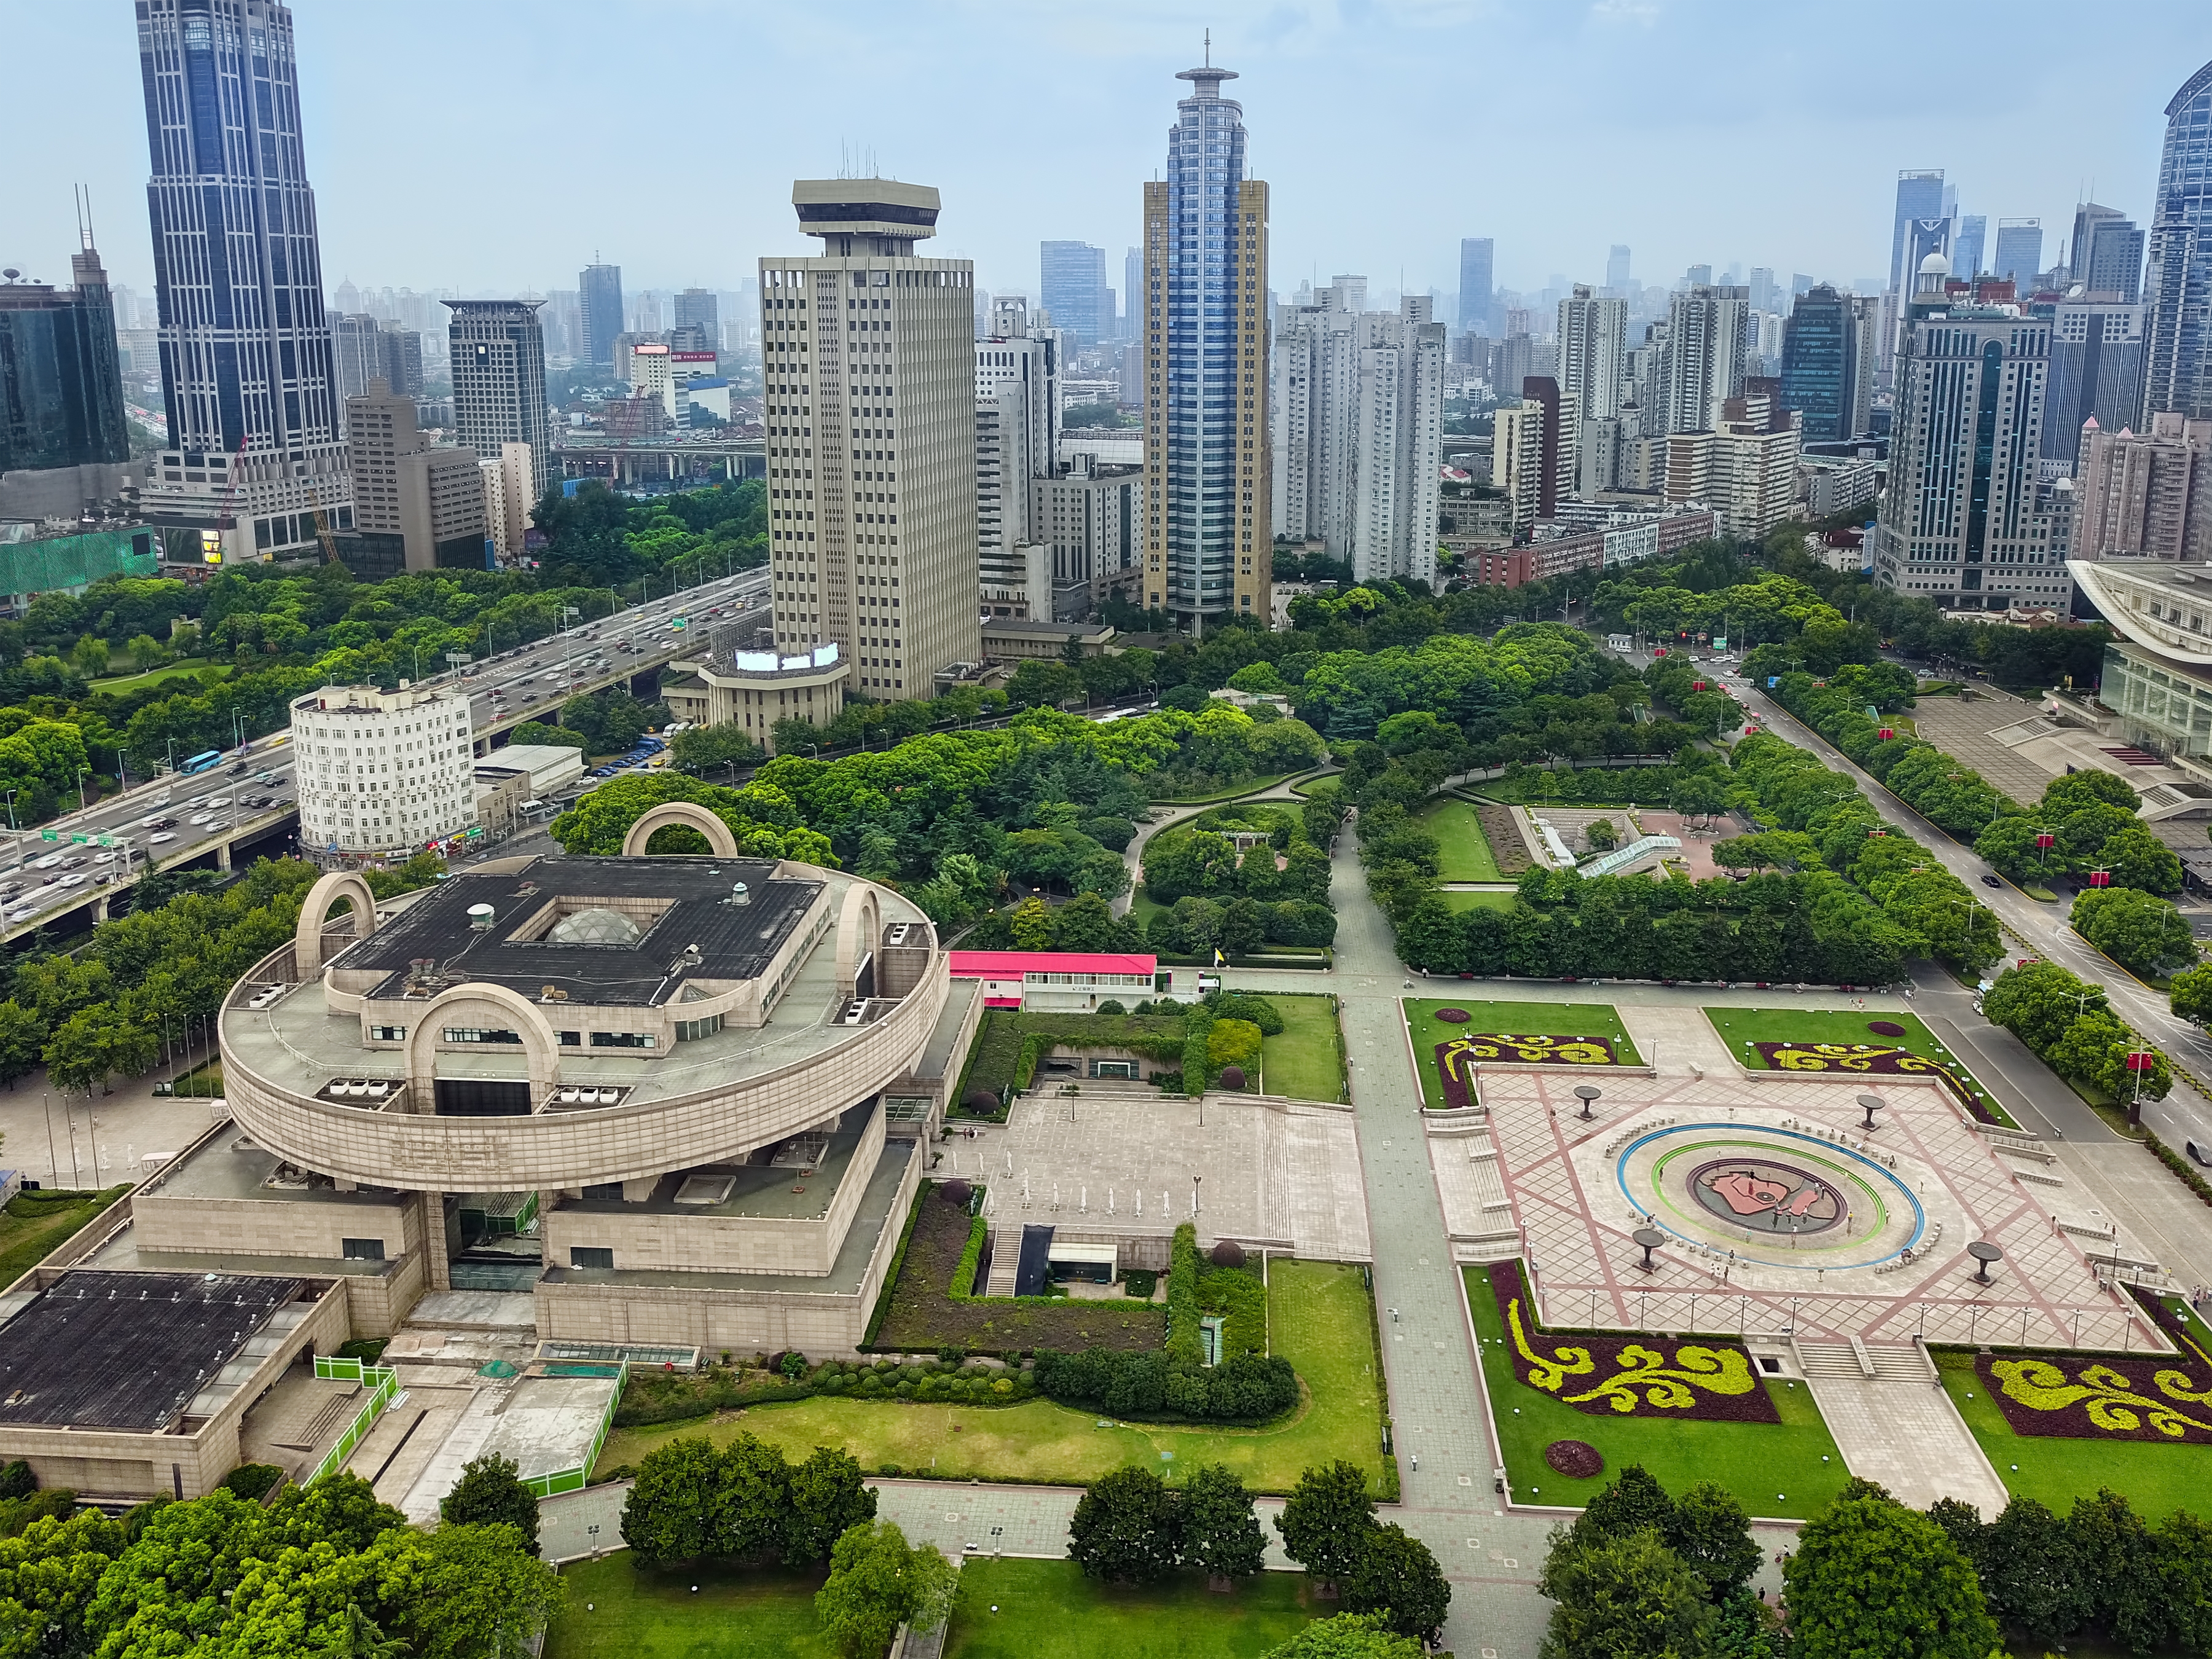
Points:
51	861
219	801
200	820
75	879
23	914
160	835
151	818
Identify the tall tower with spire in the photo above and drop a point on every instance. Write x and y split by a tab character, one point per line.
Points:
1208	525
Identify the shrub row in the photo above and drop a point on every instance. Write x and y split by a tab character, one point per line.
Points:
1248	1389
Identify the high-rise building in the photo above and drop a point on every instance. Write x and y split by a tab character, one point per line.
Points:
869	364
1592	348
254	450
498	357
1071	286
2096	370
1475	255
1920	196
1964	521
2108	258
1088	516
1358	432
1517	463
358	351
1207	550
1016	436
2019	252
600	314
1616	267
2147	495
1972	241
1827	363
61	382
1703	360
1765	292
1559	432
415	508
350	804
698	325
2178	346
1744	468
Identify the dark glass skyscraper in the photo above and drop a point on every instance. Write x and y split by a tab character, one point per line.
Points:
61	391
1475	254
1072	277
246	361
1827	370
599	306
2177	336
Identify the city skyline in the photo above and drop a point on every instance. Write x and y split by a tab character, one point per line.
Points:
395	211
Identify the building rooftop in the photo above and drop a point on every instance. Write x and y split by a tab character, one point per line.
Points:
795	1181
1009	964
129	1351
2161	604
541	933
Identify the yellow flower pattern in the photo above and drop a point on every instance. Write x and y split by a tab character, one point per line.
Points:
2112	1400
1644	1378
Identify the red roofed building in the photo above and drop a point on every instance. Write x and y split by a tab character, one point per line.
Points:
1057	981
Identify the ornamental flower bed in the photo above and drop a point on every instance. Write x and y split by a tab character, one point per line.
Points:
1871	1059
1613	1376
1576	1459
2183	1335
1455	1056
2068	1396
1454	1016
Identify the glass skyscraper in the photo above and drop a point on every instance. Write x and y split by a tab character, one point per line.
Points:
599	308
1072	278
61	389
255	455
1208	518
2177	344
1475	256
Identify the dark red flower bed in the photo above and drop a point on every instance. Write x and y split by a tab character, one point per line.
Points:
1454	1016
1871	1059
1885	1028
2073	1396
2184	1337
1617	1376
1576	1459
1454	1055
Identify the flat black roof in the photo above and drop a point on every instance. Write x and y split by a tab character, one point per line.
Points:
735	942
127	1350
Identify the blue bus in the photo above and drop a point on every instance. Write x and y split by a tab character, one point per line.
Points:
206	762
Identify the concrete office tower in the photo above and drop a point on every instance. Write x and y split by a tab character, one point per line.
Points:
869	364
2106	254
1072	287
1517	463
1745	470
1963	521
698	324
383	771
1475	256
2177	285
61	378
1359	432
1017	437
1592	351
415	508
1088	517
1973	238
1616	267
498	357
1207	550
2146	495
599	315
1702	358
254	447
1515	358
510	507
357	352
1827	363
2096	371
2019	253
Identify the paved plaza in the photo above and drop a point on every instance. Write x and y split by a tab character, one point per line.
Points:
1771	1208
1272	1175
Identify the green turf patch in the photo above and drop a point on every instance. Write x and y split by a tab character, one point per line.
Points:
36	1224
1737	1026
1574	1019
1050	1607
1323	1322
618	1610
1790	1469
1307	1061
1460	899
2157	1479
1463	851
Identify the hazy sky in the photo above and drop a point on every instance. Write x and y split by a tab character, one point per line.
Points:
483	147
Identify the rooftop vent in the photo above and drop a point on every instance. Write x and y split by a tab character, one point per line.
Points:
480	918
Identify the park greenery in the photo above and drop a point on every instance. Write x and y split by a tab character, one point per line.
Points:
1328	1527
2070	1026
743	1503
1131	1526
490	1493
2090	818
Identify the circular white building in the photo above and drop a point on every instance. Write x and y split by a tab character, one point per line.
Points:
383	771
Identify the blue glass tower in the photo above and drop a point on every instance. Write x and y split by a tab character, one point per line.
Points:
1209	525
246	361
2177	344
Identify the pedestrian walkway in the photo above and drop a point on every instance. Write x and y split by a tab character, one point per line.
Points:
1898	1427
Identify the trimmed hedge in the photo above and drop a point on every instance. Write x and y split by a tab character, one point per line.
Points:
1184	1348
898	1260
1247	1390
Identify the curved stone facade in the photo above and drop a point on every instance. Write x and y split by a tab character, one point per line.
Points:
689	814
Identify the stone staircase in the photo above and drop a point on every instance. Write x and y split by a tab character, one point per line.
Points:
1005	1258
1894	1424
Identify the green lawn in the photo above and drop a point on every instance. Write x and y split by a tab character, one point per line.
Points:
1307	1061
191	668
1234	792
1464	850
2157	1479
36	1224
1790	1469
1584	1019
618	1610
1465	901
1738	1026
1321	1318
1049	1607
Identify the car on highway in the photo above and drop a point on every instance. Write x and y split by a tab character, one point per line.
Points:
218	803
160	835
75	879
151	818
1991	881
200	820
264	777
241	768
165	823
23	914
52	862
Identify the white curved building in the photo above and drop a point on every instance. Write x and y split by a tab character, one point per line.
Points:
678	1100
383	771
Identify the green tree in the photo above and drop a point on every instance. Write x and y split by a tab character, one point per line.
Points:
1325	1521
2029	1572
2117	1558
2139	931
491	1492
2190	999
352	1634
2136	857
49	1575
877	1582
22	1041
1127	1528
89	656
1221	1536
752	1510
1399	1580
1622	1595
146	652
668	1516
1632	1500
1348	1636
2039	1002
1713	1534
1032	923
94	1045
829	1497
483	1594
1871	1576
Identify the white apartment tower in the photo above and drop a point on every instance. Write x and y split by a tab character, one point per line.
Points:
383	771
1702	358
1592	352
1358	430
868	360
1017	432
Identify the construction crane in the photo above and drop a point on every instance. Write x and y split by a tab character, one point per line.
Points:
323	526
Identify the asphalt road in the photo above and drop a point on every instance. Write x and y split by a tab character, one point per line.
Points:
528	681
